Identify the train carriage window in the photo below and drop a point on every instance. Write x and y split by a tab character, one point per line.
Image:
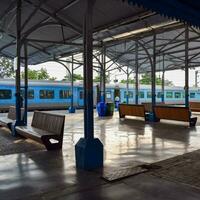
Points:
108	95
149	95
130	94
81	95
159	94
46	94
169	95
141	94
177	95
65	94
5	94
192	95
30	94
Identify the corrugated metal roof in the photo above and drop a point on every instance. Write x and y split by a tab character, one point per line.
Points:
183	10
170	46
47	24
61	22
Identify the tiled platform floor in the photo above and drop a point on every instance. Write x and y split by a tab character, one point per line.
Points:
52	175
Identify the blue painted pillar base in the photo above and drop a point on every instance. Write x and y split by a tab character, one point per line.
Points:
152	117
72	109
89	154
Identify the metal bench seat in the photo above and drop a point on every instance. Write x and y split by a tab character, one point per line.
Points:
46	128
33	133
11	117
5	120
194	106
175	113
132	110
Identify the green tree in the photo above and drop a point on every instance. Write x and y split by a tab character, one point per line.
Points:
75	77
169	83
41	74
6	68
146	80
97	78
130	81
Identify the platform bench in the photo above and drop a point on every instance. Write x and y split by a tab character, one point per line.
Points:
11	117
132	110
175	113
46	128
195	106
148	106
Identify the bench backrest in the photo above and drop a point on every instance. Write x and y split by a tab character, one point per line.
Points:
12	113
194	104
49	122
148	105
132	110
172	113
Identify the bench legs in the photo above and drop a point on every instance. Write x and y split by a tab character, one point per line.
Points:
121	116
46	140
8	125
193	121
146	117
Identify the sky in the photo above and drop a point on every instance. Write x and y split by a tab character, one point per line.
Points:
58	71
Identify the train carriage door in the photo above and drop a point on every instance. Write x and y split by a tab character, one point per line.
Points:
108	95
80	97
117	93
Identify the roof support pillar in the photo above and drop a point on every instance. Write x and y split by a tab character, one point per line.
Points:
25	82
136	73
72	108
186	66
127	86
196	78
88	150
153	75
152	116
103	75
18	63
88	72
163	81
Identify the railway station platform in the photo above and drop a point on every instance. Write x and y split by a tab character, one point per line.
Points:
28	171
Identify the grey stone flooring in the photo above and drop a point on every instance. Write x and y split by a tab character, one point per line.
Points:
52	175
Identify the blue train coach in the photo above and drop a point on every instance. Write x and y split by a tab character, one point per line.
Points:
46	95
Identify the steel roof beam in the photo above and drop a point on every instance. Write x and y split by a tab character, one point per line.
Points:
33	14
174	39
183	43
10	6
56	17
56	42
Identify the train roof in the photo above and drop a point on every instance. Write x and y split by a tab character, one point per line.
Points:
40	83
11	82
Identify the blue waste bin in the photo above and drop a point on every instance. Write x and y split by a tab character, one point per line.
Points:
72	109
101	109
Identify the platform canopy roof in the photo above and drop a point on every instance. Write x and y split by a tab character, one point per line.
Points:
53	29
182	10
170	49
47	24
